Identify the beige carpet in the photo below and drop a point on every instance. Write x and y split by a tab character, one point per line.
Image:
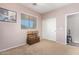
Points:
44	47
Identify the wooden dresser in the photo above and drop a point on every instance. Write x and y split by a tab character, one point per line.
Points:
32	37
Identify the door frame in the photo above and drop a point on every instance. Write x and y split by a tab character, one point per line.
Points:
66	15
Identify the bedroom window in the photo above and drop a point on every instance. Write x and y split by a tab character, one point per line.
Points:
28	22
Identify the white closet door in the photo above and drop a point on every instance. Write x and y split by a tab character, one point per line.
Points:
49	29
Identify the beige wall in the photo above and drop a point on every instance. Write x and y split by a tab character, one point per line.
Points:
60	19
11	34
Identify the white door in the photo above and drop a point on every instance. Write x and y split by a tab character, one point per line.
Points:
49	29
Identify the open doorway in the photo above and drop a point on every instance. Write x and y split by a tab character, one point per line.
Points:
72	29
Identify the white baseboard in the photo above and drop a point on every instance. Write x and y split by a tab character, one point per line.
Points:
12	47
75	41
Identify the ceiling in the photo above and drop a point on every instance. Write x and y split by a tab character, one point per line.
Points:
44	7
